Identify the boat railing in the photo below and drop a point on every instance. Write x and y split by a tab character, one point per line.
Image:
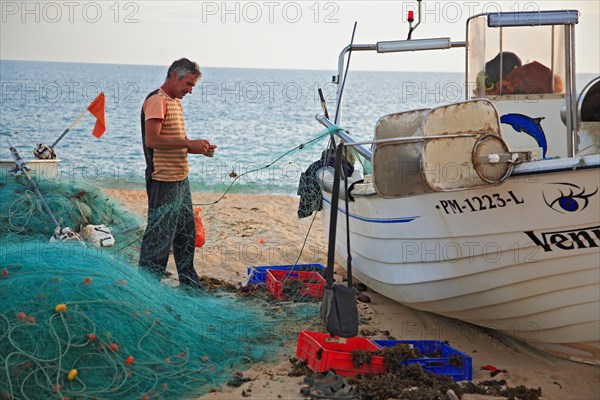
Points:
345	137
391	46
348	140
396	46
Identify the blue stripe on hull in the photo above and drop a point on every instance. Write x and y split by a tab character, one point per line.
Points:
377	220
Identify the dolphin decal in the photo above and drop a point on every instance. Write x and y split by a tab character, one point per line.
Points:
531	126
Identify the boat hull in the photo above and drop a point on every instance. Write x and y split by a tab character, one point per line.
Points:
522	258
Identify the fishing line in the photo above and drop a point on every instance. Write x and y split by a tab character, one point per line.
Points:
299	147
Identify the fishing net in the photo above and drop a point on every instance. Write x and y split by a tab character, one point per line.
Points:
66	309
81	321
74	204
84	321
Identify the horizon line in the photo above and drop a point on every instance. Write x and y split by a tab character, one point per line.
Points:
212	66
265	68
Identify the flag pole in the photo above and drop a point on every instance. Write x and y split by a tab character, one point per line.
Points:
69	128
22	166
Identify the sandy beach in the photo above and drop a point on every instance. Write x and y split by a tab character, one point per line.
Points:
246	230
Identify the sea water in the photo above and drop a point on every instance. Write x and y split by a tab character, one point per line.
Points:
254	116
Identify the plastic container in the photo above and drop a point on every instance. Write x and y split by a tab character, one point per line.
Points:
310	283
259	274
441	364
322	352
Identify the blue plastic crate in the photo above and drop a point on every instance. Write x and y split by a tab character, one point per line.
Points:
259	274
436	365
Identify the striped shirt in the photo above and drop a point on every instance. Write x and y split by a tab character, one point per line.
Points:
165	165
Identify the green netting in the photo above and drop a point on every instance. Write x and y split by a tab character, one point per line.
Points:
81	321
74	204
124	333
367	166
121	333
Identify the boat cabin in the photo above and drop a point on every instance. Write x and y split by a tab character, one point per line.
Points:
525	64
522	62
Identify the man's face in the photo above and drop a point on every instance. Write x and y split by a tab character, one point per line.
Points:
185	85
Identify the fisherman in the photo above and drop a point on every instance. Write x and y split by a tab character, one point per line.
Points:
518	78
166	147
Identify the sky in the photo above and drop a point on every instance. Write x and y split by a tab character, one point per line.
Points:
255	34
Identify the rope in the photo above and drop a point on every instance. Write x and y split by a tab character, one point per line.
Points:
301	146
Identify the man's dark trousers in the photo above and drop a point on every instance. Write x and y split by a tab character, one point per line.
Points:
170	222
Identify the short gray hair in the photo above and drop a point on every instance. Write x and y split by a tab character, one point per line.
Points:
184	67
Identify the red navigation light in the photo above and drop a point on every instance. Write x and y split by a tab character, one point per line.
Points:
411	16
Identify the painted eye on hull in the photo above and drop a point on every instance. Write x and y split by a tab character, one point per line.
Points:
575	200
568	203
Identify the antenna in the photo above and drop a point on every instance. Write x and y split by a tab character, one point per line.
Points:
411	19
341	91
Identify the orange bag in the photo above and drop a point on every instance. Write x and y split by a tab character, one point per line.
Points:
200	236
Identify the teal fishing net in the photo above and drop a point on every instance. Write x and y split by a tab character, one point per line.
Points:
74	204
80	321
126	335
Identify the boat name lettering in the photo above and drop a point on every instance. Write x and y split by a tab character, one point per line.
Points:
479	203
567	240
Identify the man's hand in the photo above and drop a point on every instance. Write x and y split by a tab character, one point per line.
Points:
201	146
211	150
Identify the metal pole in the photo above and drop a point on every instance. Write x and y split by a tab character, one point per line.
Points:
575	122
501	61
354	47
552	57
569	91
68	129
411	139
335	198
23	167
342	134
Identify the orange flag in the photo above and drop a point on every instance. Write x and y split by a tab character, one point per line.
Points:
98	110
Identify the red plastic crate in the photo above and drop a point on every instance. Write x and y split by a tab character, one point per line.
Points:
322	353
313	283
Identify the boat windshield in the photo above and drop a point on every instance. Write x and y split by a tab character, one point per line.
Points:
521	60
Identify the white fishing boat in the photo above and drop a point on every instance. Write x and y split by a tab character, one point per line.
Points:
487	210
